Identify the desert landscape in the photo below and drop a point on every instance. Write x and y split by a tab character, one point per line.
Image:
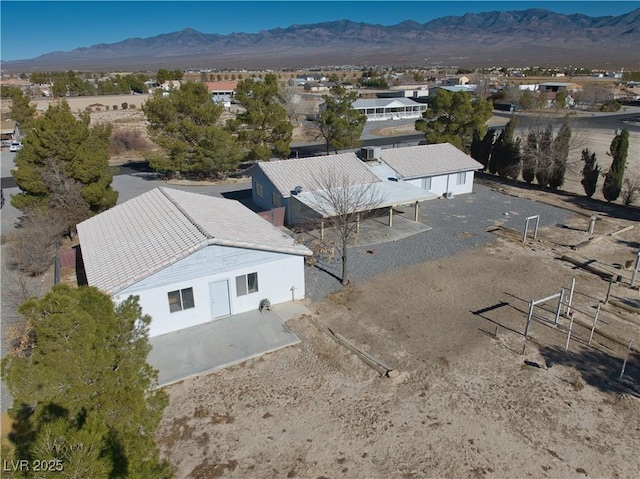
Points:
473	397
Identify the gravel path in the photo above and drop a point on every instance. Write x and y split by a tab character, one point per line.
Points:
458	224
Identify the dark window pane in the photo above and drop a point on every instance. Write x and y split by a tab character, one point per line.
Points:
187	298
174	301
252	280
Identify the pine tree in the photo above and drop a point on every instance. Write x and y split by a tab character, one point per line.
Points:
590	172
530	158
560	154
544	163
507	152
21	111
187	125
80	151
82	390
263	127
486	147
339	124
453	117
614	177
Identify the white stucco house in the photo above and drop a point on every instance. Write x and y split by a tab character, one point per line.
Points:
190	258
441	169
397	176
377	109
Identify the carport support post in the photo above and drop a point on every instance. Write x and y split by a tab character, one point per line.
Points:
559	307
321	229
358	223
415	216
390	216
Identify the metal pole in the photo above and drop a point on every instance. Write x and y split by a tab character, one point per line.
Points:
606	300
559	306
526	329
566	346
390	216
358	223
415	214
593	328
626	356
322	229
535	232
635	270
592	223
573	285
526	227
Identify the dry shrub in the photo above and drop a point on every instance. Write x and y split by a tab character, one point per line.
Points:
576	382
32	246
127	140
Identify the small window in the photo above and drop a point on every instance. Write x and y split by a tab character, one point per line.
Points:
461	178
259	190
181	299
426	183
246	284
276	199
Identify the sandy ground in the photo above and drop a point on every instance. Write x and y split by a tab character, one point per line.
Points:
466	404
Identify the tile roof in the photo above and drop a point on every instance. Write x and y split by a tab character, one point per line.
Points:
310	173
428	160
135	239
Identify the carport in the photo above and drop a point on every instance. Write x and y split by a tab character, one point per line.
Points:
384	195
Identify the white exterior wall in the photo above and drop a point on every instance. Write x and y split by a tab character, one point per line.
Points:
277	273
443	183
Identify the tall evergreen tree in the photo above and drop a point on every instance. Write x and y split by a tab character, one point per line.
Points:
340	125
263	127
590	172
507	152
21	110
82	390
614	177
544	163
186	125
530	158
453	117
486	146
80	151
560	154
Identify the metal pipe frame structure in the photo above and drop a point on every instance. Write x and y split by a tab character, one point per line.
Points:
533	303
526	228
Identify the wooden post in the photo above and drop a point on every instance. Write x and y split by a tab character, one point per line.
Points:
321	229
391	217
293	293
358	223
593	328
415	213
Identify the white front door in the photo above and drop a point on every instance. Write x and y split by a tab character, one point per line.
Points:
219	297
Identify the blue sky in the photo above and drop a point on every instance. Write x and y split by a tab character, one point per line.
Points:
32	28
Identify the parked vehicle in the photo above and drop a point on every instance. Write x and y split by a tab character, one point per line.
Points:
15	146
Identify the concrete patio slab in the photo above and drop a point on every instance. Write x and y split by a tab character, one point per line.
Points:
222	343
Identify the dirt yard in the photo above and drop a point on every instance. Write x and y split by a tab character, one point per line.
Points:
466	403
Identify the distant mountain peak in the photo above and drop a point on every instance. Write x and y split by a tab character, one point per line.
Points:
515	38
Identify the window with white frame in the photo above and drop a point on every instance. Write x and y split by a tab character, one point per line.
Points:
461	178
276	199
181	299
246	284
259	190
426	183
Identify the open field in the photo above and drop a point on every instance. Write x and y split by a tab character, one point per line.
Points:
465	404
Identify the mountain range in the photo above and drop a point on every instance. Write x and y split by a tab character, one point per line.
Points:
514	38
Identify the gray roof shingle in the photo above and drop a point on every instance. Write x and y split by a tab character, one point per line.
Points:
428	160
133	240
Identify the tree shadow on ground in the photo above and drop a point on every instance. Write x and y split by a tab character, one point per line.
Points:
598	368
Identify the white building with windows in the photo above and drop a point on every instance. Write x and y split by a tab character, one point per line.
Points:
190	258
389	108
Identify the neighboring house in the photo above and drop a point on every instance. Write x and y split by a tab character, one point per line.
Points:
222	91
556	87
190	258
398	176
441	169
389	108
456	80
315	86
